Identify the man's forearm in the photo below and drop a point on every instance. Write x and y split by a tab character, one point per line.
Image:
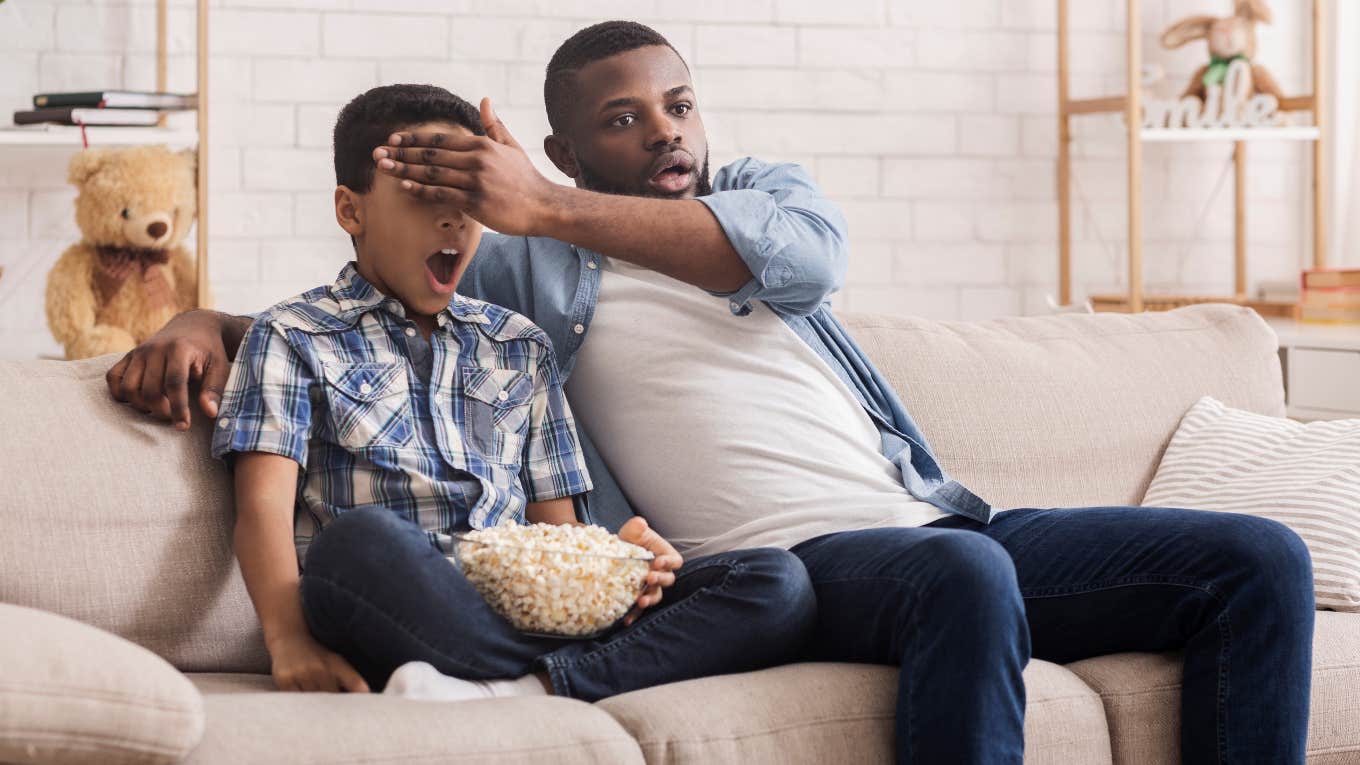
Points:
234	330
679	238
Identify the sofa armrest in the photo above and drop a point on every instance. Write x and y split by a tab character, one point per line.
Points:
72	693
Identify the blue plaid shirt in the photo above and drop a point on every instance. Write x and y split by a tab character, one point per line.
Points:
332	379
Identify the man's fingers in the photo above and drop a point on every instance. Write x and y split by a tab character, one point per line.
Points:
131	387
434	175
153	380
114	377
179	370
391	158
455	141
212	383
440	194
495	129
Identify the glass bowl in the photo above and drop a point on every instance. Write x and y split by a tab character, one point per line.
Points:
556	593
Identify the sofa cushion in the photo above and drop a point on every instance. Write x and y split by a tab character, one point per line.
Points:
246	727
824	712
1070	410
119	521
71	693
1304	475
1142	693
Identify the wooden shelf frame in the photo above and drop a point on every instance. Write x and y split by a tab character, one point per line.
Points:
1131	105
201	100
65	135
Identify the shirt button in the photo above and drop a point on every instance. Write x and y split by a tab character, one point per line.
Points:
503	396
410	331
592	265
365	389
578	329
224	423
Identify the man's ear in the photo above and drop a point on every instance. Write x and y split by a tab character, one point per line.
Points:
559	151
349	210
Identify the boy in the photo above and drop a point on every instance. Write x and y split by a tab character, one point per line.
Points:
376	416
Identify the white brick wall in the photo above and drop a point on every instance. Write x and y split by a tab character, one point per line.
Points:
930	122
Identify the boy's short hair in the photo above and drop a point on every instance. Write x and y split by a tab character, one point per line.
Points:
366	122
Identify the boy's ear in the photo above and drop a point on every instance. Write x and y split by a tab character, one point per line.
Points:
349	210
559	151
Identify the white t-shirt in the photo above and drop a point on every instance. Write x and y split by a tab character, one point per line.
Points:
727	431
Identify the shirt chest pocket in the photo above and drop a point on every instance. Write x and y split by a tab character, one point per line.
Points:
496	405
369	404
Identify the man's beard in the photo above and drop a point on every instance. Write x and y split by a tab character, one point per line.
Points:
593	181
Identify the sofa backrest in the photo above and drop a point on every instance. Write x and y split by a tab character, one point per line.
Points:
124	523
1071	410
119	521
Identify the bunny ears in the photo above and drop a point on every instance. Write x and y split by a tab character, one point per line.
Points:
1197	27
1252	10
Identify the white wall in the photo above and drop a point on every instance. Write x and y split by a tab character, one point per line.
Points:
931	123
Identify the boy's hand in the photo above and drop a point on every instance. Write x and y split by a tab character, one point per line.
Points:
302	664
489	177
665	563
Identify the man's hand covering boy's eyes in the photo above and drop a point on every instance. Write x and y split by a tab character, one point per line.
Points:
490	177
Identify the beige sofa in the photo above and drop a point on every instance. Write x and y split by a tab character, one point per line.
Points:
123	528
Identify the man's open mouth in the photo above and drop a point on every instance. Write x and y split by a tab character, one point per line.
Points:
672	172
443	267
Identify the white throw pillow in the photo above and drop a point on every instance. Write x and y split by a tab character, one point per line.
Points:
1304	475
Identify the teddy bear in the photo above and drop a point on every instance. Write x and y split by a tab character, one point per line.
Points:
1230	38
130	273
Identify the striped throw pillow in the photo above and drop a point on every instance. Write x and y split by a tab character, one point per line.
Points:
1304	475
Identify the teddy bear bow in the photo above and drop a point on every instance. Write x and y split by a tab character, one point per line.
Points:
115	265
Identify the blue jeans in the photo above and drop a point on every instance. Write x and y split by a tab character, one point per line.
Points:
375	591
961	607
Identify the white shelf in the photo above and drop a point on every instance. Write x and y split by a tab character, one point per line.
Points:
1306	335
1230	134
69	135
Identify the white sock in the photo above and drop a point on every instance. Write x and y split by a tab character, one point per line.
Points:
419	680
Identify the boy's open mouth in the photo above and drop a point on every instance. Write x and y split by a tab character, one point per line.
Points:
442	267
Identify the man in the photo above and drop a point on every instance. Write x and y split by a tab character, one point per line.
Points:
742	414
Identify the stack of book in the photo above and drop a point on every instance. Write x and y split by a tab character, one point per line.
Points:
102	107
1330	296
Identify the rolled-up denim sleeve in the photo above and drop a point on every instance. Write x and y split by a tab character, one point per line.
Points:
791	237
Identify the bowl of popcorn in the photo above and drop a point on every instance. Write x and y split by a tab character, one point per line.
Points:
559	580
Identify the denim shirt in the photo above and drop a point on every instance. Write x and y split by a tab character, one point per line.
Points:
794	242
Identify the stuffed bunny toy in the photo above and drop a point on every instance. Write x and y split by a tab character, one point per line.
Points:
1229	38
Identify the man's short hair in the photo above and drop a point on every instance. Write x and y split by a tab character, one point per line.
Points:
366	122
600	41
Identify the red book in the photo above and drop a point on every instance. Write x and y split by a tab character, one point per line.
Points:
1328	278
